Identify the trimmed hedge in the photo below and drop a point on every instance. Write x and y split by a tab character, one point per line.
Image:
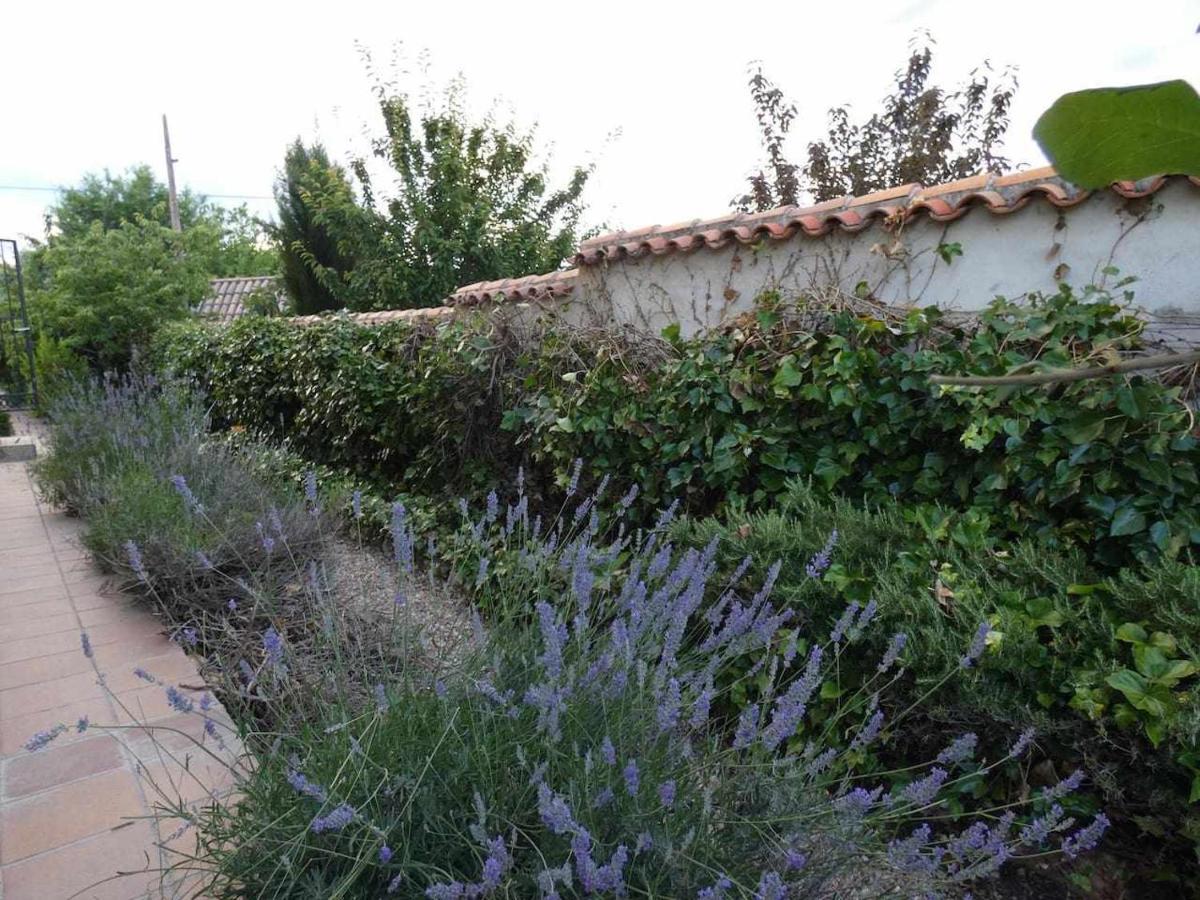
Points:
836	395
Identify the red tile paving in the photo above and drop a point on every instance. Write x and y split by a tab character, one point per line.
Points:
76	818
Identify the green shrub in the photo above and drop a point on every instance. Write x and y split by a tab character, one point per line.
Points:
842	397
1102	665
6	428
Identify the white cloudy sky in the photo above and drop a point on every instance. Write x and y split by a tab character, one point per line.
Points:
653	93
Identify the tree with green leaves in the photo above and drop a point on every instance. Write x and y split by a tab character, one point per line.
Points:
108	200
923	133
109	289
469	201
307	248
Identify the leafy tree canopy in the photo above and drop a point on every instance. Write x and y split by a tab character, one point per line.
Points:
109	290
468	200
922	132
110	200
307	248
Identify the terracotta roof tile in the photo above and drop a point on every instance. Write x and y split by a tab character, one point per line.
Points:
227	297
377	317
531	287
998	194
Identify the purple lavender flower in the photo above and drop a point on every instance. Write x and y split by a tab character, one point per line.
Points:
206	702
310	487
820	562
481	574
960	750
178	701
923	791
554	811
440	689
83	724
869	732
187	635
273	645
856	803
1022	743
191	504
356	511
703	704
644	842
265	540
843	623
607	751
301	785
603	799
385	854
771	887
868	615
86	643
895	648
978	643
381	698
632	777
630	496
232	605
493	507
1068	785
1036	832
144	675
394	884
335	821
1086	838
747	728
666	793
497	863
790	708
573	484
134	555
42	738
203	561
716	891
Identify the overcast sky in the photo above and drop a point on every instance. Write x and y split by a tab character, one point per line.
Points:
653	93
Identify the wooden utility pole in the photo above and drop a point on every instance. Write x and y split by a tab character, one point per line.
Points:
172	199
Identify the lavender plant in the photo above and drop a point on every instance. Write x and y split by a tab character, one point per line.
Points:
583	748
577	754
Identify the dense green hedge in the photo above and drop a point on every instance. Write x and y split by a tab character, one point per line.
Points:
1106	464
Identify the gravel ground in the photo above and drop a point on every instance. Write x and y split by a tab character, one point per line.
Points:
366	577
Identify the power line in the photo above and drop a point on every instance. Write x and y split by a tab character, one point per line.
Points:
58	190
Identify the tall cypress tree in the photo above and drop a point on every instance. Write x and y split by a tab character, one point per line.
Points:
312	262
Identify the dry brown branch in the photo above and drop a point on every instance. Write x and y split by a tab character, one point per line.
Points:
1057	376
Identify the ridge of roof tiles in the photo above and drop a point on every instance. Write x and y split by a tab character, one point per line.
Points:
999	194
530	287
226	298
377	317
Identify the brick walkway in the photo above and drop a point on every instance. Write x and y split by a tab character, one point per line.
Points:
74	815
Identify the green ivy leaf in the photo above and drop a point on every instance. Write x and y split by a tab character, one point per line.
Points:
1099	136
1131	633
1127	521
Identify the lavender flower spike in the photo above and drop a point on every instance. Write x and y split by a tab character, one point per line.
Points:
42	738
1086	838
134	555
978	643
820	562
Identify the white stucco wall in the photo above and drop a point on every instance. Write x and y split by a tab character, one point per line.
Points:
1155	239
